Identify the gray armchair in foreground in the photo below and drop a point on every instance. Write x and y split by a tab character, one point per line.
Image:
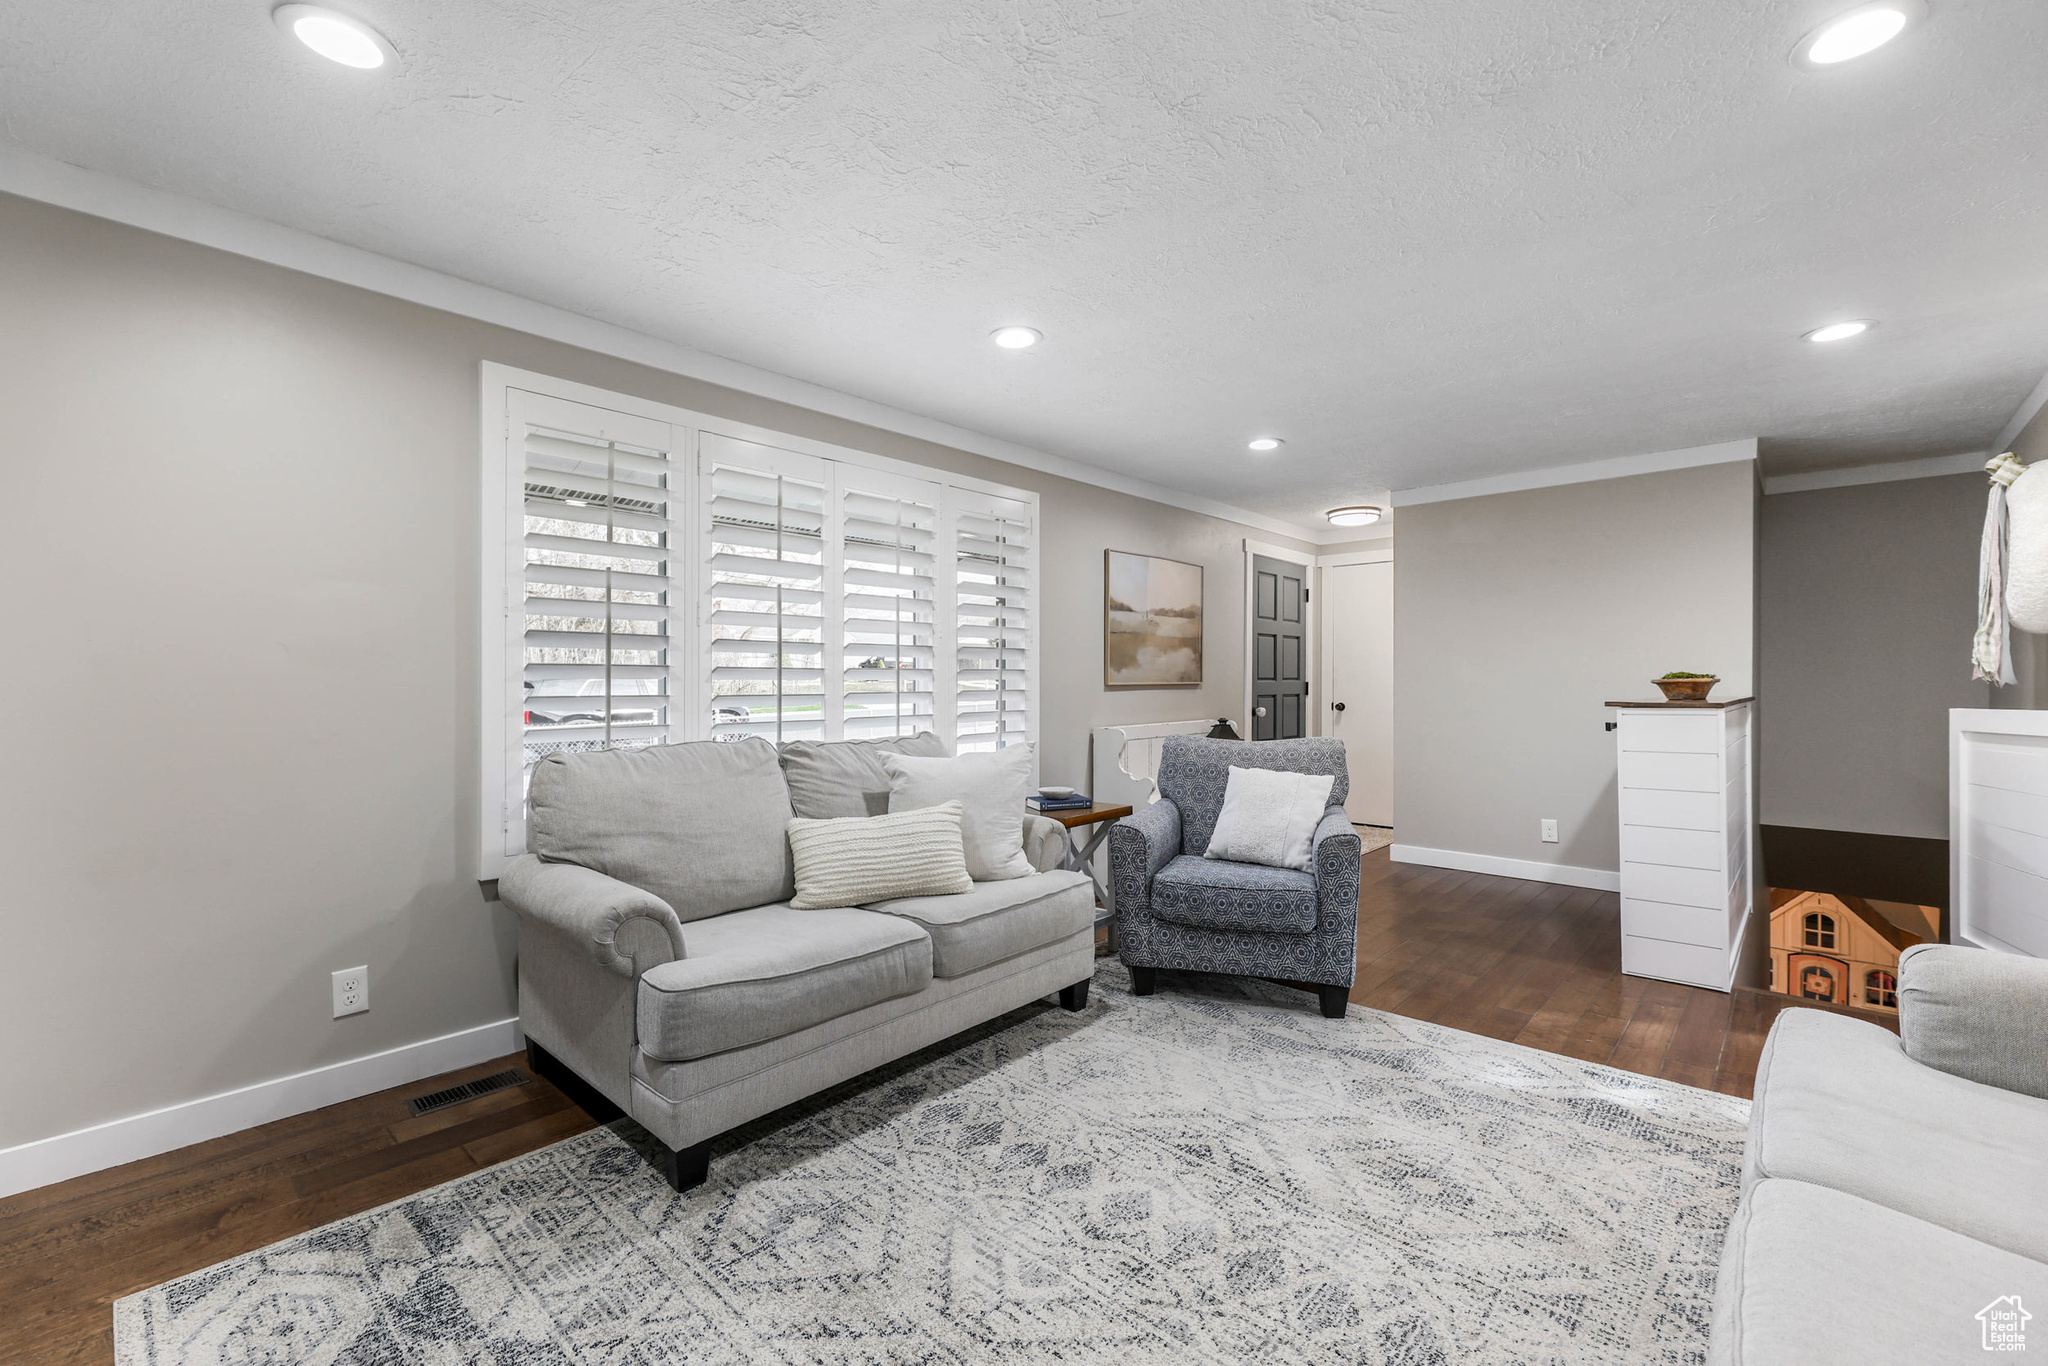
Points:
1176	909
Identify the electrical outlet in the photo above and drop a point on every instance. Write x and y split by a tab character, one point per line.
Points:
351	991
1550	832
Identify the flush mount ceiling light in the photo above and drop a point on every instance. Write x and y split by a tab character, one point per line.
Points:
1841	331
336	37
1265	443
1015	338
1858	31
1352	516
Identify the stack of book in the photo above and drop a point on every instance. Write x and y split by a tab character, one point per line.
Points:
1077	802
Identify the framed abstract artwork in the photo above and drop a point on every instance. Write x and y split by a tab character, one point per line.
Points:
1151	622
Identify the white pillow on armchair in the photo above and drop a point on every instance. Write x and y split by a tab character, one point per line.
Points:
1270	817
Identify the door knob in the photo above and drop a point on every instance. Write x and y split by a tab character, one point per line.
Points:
1258	711
1336	706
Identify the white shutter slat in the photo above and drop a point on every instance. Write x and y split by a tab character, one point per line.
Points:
765	566
621	581
595	515
620	611
783	541
646	559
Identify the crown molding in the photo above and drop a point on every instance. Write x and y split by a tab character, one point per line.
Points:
192	220
2033	405
1621	467
1969	462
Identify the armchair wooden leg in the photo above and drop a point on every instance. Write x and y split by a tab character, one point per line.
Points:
686	1168
1074	997
1144	981
1333	1001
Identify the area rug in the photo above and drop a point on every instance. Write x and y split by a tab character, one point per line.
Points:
1211	1174
1373	837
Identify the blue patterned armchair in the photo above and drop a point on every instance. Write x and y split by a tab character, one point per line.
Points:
1176	909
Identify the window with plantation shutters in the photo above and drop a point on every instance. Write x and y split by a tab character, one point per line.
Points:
595	592
993	614
655	576
764	549
888	539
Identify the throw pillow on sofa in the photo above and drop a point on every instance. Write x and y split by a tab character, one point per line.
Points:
830	778
990	788
1269	817
853	860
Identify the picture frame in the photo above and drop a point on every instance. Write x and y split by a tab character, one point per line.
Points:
1151	621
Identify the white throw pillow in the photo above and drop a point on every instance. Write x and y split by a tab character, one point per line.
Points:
1269	817
853	860
990	789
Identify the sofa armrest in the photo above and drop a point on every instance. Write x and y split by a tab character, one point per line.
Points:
626	930
1334	851
1976	1014
1139	846
1045	843
1334	854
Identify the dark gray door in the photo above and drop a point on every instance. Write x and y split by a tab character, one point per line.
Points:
1279	632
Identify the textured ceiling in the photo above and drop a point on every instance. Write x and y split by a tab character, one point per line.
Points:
1423	241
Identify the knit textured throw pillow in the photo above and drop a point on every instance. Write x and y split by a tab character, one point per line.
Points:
853	860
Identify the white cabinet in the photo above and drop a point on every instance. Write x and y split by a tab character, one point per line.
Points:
1686	798
1998	829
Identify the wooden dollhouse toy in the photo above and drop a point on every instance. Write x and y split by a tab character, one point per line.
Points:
1839	949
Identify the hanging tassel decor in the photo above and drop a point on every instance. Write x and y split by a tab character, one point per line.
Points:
1991	650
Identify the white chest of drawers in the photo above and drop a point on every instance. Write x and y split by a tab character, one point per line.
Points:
1686	796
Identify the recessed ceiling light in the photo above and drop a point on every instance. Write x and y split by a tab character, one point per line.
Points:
1015	338
1353	516
1265	443
1860	30
1841	331
335	36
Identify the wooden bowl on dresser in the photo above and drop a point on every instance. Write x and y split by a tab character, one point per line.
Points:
1686	689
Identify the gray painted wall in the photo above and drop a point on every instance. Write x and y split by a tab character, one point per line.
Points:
240	541
1517	615
1869	603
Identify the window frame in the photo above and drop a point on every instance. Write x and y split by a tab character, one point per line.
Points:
501	558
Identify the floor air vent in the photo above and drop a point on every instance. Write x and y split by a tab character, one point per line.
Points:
469	1090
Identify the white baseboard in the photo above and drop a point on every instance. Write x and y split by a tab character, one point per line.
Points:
1529	870
63	1156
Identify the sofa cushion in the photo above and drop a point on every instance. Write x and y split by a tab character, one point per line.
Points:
1212	895
997	920
770	971
700	825
830	779
1838	1103
1813	1277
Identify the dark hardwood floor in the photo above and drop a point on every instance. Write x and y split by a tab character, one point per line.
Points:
1516	960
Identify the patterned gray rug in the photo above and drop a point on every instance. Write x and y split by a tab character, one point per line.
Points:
1212	1174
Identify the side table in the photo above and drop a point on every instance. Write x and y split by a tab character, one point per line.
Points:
1102	816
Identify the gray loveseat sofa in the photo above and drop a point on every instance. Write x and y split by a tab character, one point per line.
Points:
1895	1187
660	963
